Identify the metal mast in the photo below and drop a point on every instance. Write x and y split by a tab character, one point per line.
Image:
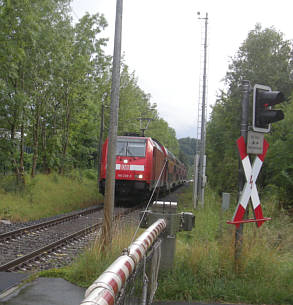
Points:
200	158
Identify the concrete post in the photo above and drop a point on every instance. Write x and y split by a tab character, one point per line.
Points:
225	201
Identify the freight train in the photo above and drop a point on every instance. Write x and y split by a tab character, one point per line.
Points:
142	164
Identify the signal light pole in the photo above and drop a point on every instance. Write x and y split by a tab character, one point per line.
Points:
245	88
263	116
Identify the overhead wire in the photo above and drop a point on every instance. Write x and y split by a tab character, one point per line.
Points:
144	212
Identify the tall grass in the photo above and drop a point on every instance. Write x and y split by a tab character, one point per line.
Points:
47	195
204	263
204	268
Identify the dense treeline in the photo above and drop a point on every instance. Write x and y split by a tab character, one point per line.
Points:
262	58
54	77
188	147
188	150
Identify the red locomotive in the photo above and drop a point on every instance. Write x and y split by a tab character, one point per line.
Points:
142	163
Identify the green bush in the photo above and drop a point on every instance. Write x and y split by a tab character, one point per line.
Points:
90	174
8	183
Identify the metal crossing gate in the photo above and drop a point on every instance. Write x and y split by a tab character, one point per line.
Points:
132	278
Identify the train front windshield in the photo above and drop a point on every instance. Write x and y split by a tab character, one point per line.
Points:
131	147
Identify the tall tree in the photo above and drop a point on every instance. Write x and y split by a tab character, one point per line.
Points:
262	58
278	170
21	54
54	77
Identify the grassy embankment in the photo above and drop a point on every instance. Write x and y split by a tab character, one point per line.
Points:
204	268
47	195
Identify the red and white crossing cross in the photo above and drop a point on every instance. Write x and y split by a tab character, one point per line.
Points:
250	189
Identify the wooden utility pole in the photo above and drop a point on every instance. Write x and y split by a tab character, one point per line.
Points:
111	155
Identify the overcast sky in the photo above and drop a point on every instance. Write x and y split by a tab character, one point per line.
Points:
161	40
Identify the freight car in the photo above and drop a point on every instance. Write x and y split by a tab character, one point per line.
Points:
142	164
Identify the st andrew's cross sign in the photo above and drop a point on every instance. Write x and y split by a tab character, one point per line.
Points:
249	190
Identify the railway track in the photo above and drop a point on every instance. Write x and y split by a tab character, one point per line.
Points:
52	243
45	224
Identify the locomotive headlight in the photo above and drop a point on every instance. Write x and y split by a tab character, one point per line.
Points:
140	176
125	161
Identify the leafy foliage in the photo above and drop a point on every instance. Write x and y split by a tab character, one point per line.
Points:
54	77
262	59
279	165
187	150
188	147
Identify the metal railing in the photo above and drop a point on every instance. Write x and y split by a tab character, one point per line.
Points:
132	278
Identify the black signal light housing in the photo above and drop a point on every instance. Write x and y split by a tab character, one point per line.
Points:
263	114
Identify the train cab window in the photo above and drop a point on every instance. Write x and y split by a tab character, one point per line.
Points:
121	148
136	149
131	147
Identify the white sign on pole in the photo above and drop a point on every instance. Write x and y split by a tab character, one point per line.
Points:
255	143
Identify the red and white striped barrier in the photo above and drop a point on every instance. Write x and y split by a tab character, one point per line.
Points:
250	190
105	289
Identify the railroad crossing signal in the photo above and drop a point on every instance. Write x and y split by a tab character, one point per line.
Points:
263	100
250	190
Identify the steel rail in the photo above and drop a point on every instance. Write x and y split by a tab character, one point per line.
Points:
16	262
25	230
55	245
